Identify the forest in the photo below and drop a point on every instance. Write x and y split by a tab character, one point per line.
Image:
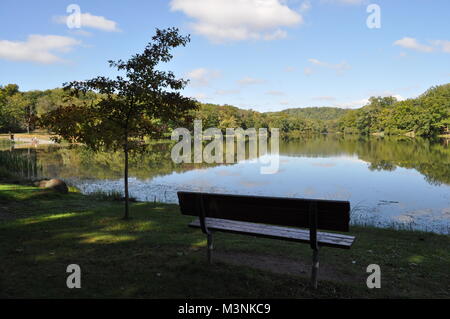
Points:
425	115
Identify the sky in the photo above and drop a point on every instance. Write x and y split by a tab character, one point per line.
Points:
265	55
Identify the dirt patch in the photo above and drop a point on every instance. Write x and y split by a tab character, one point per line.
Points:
281	265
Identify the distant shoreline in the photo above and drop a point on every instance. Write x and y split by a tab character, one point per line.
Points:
24	138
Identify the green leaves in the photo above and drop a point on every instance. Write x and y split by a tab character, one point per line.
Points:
17	109
142	101
427	115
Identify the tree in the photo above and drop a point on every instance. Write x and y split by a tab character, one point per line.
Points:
10	89
19	105
436	109
228	121
141	102
381	102
8	118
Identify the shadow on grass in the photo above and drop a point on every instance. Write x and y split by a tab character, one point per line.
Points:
155	255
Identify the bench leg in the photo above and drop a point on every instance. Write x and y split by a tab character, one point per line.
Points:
315	268
210	247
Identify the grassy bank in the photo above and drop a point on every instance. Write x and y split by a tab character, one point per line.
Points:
155	255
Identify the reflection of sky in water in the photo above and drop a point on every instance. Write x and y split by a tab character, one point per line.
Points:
377	197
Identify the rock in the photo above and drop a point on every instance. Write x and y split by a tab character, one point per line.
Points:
41	184
54	184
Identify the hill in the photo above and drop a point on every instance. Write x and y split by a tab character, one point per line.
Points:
317	113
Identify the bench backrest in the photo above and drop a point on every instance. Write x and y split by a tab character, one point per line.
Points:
294	212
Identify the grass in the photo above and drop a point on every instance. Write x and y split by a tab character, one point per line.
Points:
109	195
155	255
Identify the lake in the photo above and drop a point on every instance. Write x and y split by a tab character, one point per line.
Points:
399	182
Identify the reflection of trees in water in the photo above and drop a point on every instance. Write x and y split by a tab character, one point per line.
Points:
382	166
19	163
429	157
79	162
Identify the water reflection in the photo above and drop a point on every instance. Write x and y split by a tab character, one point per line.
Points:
387	180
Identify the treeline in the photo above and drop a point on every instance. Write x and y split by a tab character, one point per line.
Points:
227	116
426	115
20	111
323	113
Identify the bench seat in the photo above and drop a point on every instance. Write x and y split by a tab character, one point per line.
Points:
281	218
275	232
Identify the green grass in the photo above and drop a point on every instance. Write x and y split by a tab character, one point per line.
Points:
155	255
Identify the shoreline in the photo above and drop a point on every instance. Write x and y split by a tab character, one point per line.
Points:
33	139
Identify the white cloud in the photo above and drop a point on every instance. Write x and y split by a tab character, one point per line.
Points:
305	6
413	44
227	92
91	21
349	2
249	81
399	97
274	92
37	48
352	104
443	44
202	76
353	1
277	34
339	68
224	20
308	71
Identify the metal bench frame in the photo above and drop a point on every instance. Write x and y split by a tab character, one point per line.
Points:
208	224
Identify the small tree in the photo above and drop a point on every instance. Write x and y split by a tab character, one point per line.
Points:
141	102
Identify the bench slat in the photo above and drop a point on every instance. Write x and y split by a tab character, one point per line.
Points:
275	232
332	215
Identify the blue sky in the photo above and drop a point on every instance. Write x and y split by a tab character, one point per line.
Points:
261	54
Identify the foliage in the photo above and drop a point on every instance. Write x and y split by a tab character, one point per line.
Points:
317	113
141	102
427	115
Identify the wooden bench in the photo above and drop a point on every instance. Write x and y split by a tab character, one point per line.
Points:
271	217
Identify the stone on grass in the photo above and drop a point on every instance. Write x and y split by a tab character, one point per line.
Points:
54	184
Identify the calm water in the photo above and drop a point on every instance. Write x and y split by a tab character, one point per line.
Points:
400	181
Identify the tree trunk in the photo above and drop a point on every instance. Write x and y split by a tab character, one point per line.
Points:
29	120
126	216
